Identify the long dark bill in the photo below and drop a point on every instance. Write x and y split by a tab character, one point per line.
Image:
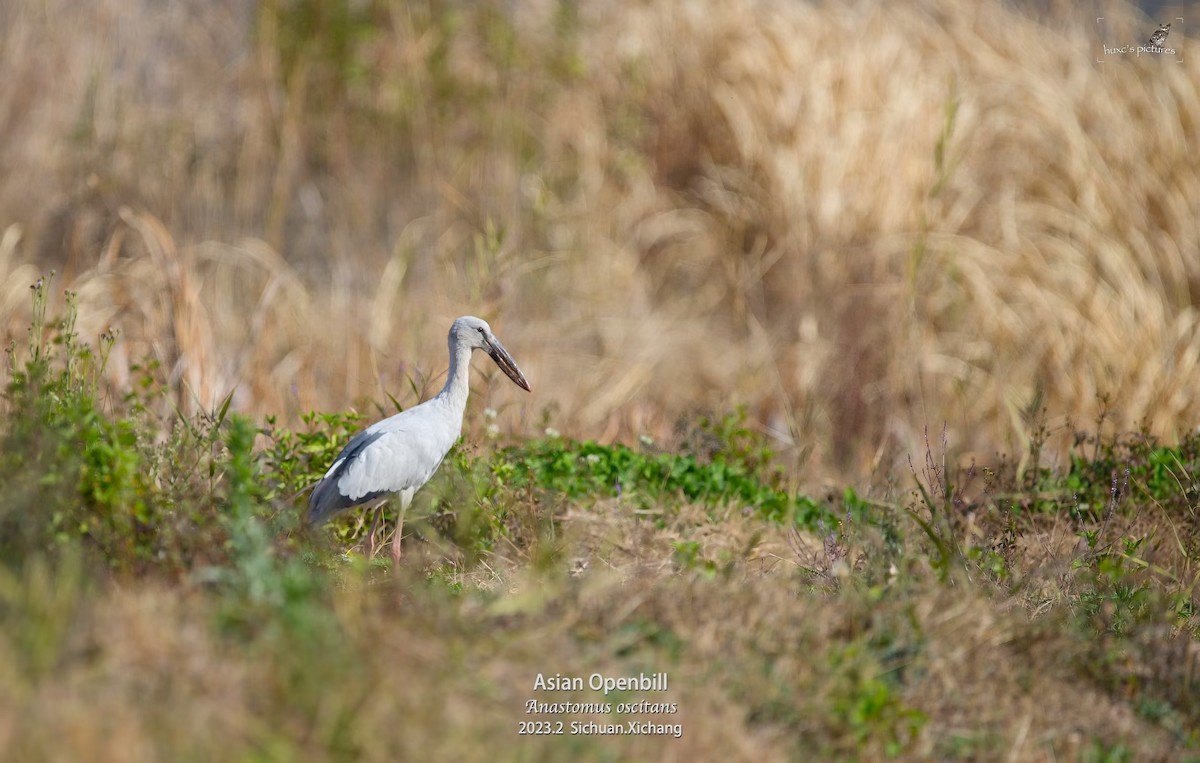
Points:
507	364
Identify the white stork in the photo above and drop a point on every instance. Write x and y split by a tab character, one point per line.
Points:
397	455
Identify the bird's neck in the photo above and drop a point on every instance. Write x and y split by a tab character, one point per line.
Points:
457	386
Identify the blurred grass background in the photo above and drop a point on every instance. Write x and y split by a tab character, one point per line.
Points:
758	244
859	221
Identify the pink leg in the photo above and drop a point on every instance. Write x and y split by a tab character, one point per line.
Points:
371	535
371	545
399	534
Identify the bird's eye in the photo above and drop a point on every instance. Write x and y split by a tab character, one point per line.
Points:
479	329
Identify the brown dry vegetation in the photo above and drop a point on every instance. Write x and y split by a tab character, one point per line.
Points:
765	662
861	221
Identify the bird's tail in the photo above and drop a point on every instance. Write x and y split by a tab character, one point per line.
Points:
323	503
327	501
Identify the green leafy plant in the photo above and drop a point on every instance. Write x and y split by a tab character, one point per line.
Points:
76	471
578	469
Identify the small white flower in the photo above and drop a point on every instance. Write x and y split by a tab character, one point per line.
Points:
552	432
489	414
492	431
646	440
592	458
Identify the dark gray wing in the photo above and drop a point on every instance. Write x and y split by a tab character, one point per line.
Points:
326	500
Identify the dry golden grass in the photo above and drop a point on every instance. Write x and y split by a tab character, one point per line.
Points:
857	220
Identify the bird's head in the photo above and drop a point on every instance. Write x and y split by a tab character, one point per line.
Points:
475	333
